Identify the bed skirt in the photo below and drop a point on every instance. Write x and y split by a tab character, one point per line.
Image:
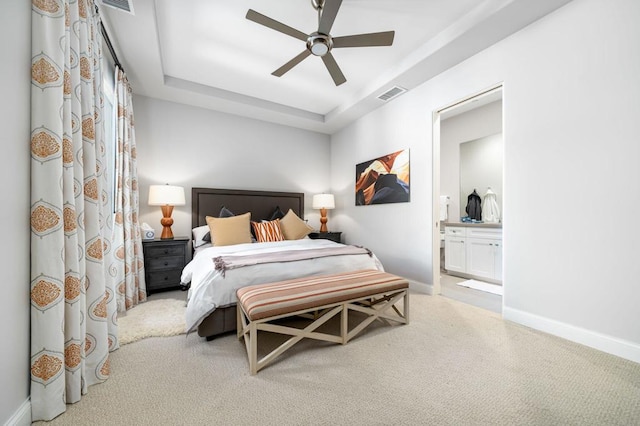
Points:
220	321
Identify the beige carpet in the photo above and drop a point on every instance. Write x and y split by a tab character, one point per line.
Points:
155	318
454	364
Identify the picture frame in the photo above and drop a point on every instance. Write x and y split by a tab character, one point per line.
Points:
383	180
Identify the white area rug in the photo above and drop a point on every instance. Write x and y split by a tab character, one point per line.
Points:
479	285
156	318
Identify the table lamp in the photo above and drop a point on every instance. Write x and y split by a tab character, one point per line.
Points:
323	202
166	196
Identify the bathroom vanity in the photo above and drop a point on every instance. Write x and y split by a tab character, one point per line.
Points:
474	250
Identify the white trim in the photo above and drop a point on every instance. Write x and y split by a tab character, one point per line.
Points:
419	287
436	288
602	342
22	417
436	117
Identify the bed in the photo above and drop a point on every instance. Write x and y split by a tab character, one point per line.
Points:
211	307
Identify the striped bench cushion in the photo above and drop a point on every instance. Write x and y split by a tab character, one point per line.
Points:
268	300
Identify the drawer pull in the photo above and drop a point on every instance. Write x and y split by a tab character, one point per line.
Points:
166	278
166	251
166	263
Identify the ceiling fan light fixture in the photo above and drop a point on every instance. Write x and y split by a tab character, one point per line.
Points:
319	48
319	44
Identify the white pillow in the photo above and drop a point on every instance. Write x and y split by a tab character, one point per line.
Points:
198	235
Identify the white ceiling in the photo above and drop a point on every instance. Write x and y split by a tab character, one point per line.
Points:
205	53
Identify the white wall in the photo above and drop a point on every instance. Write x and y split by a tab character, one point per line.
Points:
195	147
572	102
15	28
471	125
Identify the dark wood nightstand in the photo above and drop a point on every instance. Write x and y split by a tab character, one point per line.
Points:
163	263
333	236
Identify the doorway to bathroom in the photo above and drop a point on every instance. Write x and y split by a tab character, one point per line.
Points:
468	152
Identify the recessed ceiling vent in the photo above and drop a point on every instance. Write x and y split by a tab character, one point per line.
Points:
395	91
120	4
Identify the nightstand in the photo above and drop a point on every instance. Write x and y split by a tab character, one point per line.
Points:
163	263
333	236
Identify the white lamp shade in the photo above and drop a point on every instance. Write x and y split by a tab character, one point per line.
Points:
166	195
324	201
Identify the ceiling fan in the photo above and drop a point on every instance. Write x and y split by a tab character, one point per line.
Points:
321	42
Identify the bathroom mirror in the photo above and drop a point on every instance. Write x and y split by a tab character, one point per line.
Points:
481	162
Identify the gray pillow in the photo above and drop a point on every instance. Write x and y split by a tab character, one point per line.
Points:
277	214
225	212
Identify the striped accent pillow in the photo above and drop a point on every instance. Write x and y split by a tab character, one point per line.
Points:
268	231
266	300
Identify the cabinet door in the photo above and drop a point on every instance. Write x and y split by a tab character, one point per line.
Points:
480	257
454	254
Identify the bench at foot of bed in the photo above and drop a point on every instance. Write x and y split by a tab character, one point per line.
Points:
373	293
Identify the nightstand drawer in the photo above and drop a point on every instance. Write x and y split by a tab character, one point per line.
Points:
164	250
162	279
165	262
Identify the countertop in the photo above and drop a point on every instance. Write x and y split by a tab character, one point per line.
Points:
472	225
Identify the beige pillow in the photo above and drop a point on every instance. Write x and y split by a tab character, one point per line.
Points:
226	231
293	227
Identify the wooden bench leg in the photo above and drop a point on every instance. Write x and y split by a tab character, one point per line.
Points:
344	326
253	348
379	312
406	305
375	308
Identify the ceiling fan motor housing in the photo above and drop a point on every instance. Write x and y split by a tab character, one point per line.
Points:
319	44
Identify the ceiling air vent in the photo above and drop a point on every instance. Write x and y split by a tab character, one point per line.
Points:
119	4
392	93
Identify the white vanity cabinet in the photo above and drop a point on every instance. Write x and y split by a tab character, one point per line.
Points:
455	252
474	251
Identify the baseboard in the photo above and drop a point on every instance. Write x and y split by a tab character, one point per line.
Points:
602	342
22	416
421	287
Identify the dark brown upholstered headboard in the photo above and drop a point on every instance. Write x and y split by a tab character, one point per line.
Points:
261	204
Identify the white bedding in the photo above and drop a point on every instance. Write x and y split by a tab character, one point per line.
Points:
210	290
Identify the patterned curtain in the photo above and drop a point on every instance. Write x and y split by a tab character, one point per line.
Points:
73	309
127	267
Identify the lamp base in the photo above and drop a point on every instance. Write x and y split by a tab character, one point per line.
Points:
323	220
167	234
166	222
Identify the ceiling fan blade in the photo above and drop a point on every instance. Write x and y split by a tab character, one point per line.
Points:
329	11
259	18
292	63
365	40
334	69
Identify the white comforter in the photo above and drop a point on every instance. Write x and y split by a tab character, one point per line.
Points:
210	290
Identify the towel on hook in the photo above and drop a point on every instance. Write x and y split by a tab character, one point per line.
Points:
490	208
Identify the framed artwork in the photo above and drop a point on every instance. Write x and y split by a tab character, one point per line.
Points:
383	180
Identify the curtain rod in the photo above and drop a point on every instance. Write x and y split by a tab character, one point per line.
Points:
103	30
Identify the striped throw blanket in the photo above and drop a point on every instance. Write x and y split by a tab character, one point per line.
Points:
224	263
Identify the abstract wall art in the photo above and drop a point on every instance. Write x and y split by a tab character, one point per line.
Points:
383	180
